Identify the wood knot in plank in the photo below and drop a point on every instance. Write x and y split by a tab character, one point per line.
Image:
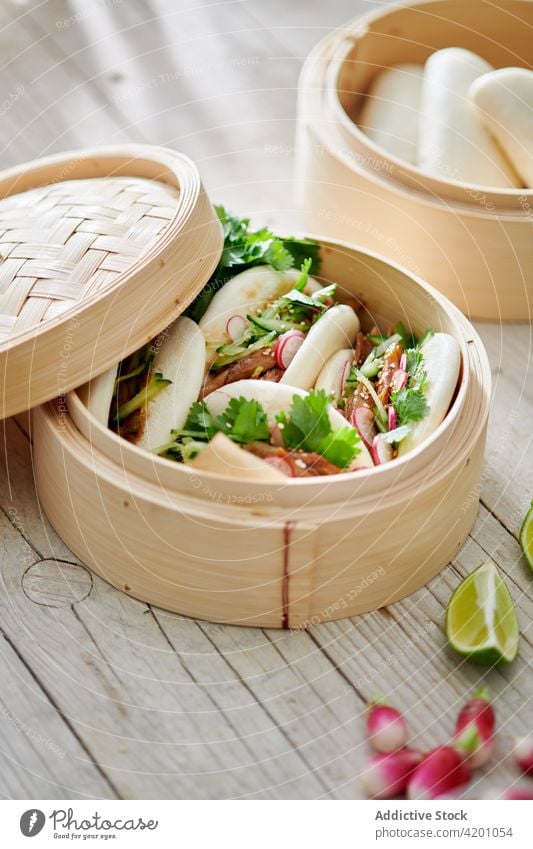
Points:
56	583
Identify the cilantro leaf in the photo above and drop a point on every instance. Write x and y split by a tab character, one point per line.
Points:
341	446
200	421
307	427
307	424
414	360
244	421
411	404
244	248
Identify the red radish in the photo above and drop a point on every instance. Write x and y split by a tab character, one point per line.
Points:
518	793
403	362
287	346
474	729
236	327
345	372
363	421
523	754
442	770
399	379
386	727
381	451
387	775
393	418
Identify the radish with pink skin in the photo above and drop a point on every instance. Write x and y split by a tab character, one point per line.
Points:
381	451
399	379
474	729
386	727
442	770
236	327
332	377
287	346
523	754
386	775
393	418
363	421
517	793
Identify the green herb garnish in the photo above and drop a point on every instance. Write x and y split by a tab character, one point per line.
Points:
411	404
245	248
307	427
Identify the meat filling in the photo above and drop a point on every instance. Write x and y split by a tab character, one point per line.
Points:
257	364
295	464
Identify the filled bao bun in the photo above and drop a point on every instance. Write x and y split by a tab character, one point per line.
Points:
442	362
331	378
335	330
180	357
243	294
275	398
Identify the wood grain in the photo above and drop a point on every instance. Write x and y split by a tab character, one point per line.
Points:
245	713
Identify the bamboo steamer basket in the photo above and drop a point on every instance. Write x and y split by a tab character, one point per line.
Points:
280	556
99	250
473	243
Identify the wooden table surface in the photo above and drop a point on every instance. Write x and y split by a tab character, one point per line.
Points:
103	696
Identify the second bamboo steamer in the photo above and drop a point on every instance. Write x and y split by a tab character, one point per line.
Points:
473	243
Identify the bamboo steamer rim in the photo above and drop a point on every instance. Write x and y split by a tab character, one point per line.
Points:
336	49
453	432
328	138
29	360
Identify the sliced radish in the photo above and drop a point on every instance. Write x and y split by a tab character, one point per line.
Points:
393	417
399	379
363	421
236	327
344	374
403	362
287	346
381	451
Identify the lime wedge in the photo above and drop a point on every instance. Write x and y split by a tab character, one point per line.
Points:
481	621
526	536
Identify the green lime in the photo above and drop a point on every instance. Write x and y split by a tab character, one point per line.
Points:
481	621
526	536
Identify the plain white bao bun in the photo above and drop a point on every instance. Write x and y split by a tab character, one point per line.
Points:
453	143
335	330
275	398
504	99
246	293
222	457
181	359
390	110
331	377
442	361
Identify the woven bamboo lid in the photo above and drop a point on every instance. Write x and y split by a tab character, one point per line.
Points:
99	251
